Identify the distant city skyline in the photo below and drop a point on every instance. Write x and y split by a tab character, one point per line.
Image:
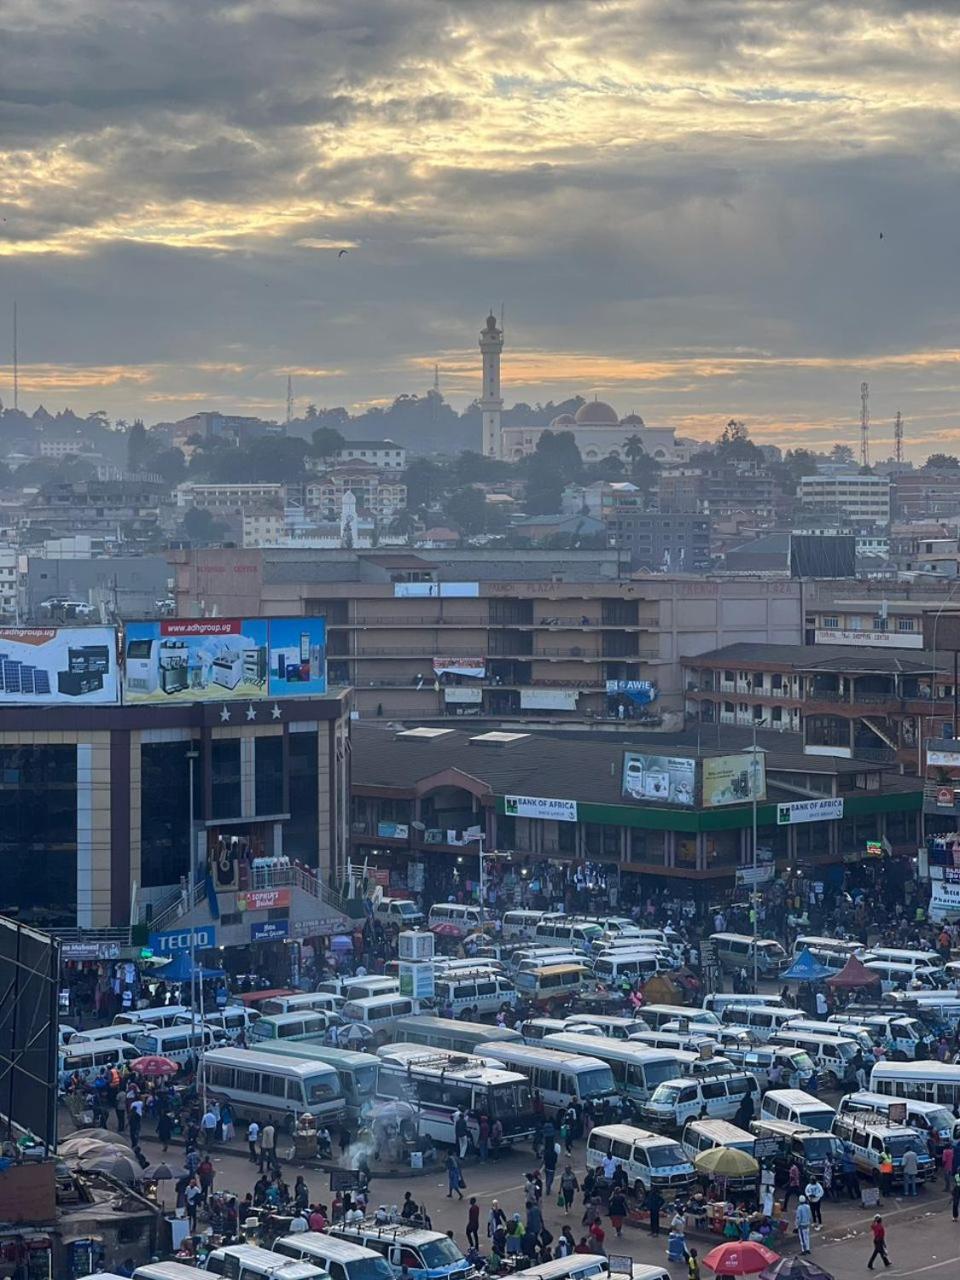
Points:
696	210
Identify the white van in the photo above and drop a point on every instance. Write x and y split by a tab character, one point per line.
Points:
903	977
412	1251
708	1096
637	1070
552	985
461	914
233	1020
932	1119
519	926
612	967
303	1002
857	1032
402	913
379	1013
362	988
656	1015
648	1159
578	934
533	1030
130	1034
736	951
90	1059
473	991
691	1041
180	1043
796	1068
797	1107
341	1259
904	956
929	1081
164	1015
703	1135
761	1020
247	1262
832	952
832	1055
868	1136
614	1026
898	1033
717	1001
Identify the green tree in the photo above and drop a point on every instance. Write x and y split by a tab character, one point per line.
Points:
170	465
200	527
633	450
943	461
466	509
325	440
841	453
311	412
425	483
138	446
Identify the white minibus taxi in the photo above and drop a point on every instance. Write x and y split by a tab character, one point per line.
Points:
741	951
164	1015
614	1026
519	926
797	1107
703	1135
928	1081
302	1003
461	914
612	967
903	977
249	1262
832	952
117	1031
717	1001
933	1119
179	1043
707	1096
833	1055
340	1259
762	1021
379	1013
655	1015
473	992
578	934
636	1069
89	1059
268	1086
648	1159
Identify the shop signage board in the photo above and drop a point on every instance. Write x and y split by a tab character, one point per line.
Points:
173	941
829	810
669	779
269	930
262	899
539	807
734	779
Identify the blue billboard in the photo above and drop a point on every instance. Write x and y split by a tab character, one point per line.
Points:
213	659
175	941
269	931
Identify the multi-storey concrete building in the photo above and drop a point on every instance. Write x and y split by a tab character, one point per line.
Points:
484	632
855	499
386	455
230	499
845	700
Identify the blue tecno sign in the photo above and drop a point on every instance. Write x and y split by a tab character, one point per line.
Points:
174	941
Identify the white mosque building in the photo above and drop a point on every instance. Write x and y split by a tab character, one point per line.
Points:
599	430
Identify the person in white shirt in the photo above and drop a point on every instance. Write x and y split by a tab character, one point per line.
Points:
253	1137
814	1193
609	1167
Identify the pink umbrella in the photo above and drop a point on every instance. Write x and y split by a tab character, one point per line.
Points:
740	1258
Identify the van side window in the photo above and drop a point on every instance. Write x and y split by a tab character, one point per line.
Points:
689	1094
713	1089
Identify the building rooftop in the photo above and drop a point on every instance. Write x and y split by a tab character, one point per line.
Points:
824	657
585	766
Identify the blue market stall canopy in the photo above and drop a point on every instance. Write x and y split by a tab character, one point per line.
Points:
180	970
806	968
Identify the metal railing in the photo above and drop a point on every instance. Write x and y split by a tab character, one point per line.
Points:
292	876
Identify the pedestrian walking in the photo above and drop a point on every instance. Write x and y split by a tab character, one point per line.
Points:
473	1223
802	1220
617	1210
253	1140
879	1243
814	1193
955	1189
946	1164
164	1129
910	1167
226	1121
886	1174
135	1120
793	1184
569	1186
454	1177
268	1145
191	1199
653	1204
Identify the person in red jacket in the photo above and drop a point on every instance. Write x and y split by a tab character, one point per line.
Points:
879	1243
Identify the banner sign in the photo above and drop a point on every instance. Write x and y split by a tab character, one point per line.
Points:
476	667
175	940
72	666
538	807
263	899
393	830
215	659
809	811
462	695
734	779
944	901
549	699
269	930
671	779
945	754
639	691
755	875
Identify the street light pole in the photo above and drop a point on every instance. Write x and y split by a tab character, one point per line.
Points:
192	756
754	894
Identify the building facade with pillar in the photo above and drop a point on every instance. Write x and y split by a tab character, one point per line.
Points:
491	402
421	796
96	804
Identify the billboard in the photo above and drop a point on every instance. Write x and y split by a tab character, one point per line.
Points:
829	810
213	659
476	667
539	807
669	779
73	666
734	779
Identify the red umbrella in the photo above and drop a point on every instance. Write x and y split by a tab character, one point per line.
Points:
154	1065
740	1258
447	930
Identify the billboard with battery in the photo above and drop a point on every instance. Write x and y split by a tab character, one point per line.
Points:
215	659
72	666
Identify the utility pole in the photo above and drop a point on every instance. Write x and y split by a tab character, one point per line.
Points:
289	398
864	424
16	362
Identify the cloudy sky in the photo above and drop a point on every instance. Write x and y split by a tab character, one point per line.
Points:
679	202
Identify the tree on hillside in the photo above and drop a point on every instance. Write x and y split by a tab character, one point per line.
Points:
199	527
633	449
325	441
943	462
841	453
137	446
466	510
425	482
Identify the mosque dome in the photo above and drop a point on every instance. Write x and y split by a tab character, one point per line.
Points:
597	413
632	420
564	420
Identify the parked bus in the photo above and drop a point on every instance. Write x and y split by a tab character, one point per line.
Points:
306	1024
302	1003
440	1086
927	1081
449	1033
262	1086
357	1071
559	1077
636	1069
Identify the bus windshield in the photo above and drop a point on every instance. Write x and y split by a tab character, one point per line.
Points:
666	1154
802	1062
656	1072
822	1146
596	1081
370	1269
667	1094
508	1100
320	1088
901	1143
366	1078
441	1253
